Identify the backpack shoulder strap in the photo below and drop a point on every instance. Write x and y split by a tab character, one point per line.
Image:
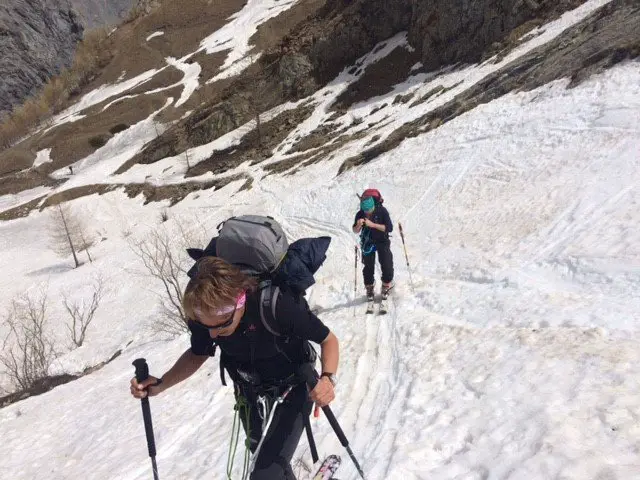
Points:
268	298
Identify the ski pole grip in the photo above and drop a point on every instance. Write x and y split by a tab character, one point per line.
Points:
142	369
311	377
142	373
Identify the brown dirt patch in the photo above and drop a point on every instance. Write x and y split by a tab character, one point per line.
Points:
152	193
168	76
70	142
25	180
16	158
284	165
318	137
292	165
77	192
21	210
185	24
379	78
176	193
273	30
210	64
203	94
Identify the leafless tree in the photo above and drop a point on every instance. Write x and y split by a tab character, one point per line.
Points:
163	255
258	103
28	350
82	311
68	233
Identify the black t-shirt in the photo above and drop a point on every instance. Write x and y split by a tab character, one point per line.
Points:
381	217
273	357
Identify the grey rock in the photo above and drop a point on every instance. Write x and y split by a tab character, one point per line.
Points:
37	39
97	13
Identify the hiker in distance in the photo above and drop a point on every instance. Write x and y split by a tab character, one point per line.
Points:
373	223
262	349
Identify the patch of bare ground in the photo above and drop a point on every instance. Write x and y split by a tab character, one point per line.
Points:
330	144
71	142
168	76
209	63
254	148
24	180
17	158
271	32
518	36
282	166
201	96
318	137
78	192
177	192
379	78
21	210
152	193
185	24
607	37
522	33
439	90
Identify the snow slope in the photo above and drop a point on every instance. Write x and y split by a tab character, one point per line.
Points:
513	354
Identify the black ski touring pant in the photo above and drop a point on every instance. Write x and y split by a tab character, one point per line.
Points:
385	257
274	460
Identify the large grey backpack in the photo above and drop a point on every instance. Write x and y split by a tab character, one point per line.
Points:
253	243
257	245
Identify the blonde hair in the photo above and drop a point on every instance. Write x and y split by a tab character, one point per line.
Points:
215	284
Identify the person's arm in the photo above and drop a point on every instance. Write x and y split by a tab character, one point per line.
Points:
358	223
324	392
185	366
376	226
330	354
385	226
294	317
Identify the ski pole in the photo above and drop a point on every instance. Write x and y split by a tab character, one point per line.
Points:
405	253
142	373
355	279
311	377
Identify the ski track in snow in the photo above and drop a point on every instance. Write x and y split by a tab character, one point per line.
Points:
514	355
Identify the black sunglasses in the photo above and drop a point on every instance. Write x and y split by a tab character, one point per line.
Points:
210	328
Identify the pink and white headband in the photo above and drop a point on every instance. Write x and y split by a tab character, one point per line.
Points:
240	302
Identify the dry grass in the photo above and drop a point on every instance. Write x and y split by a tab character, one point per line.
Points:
71	142
271	32
92	54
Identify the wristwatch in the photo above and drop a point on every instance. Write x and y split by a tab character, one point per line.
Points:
331	376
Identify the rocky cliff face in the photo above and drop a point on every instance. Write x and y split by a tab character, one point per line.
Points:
37	38
96	13
442	31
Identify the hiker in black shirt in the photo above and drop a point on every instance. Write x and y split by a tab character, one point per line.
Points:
263	360
374	225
